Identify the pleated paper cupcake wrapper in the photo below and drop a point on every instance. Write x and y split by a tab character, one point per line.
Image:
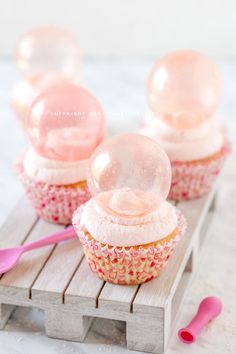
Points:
194	179
53	203
127	265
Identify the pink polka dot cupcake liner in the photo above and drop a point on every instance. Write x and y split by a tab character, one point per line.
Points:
53	203
127	265
195	178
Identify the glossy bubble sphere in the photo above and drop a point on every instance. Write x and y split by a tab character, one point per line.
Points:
65	123
25	92
129	175
184	89
48	50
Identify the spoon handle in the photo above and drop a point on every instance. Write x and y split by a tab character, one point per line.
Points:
66	234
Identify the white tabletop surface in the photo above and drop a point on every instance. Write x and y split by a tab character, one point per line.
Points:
120	87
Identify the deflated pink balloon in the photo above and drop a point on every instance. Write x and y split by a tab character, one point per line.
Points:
184	89
129	175
48	50
66	123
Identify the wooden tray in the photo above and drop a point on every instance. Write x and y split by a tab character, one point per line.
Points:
58	280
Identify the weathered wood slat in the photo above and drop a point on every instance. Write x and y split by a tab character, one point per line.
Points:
58	279
5	313
179	295
57	273
84	288
66	325
117	298
12	233
18	281
145	335
154	295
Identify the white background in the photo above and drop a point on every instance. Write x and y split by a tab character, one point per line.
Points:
120	86
138	31
127	27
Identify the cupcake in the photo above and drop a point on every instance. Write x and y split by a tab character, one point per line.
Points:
44	56
184	92
127	229
65	125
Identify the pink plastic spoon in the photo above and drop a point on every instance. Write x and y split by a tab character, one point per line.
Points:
10	256
209	308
